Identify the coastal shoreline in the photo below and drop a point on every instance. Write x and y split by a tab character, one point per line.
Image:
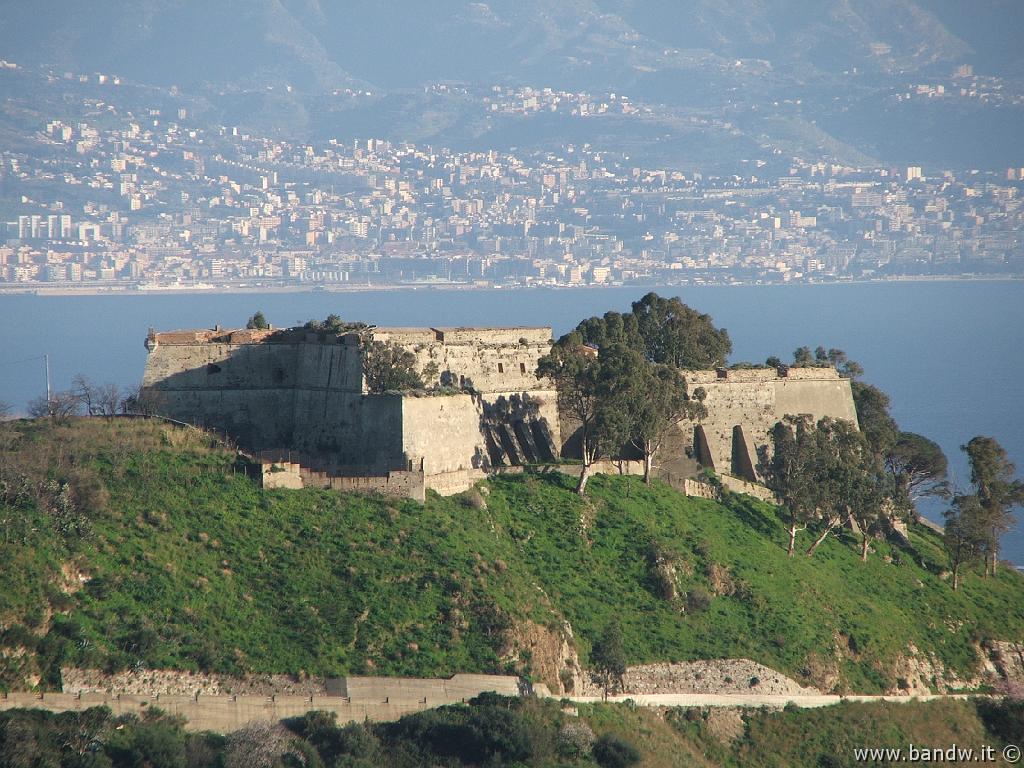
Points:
228	289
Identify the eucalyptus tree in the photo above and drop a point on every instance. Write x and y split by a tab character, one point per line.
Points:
790	472
841	476
664	331
998	492
576	372
964	534
646	401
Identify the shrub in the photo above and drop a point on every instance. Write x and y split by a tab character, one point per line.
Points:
610	751
575	739
697	600
474	500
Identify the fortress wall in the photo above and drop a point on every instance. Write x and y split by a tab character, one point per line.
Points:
753	400
221	366
499	336
448	483
256	418
335	367
349	429
491	359
744	401
444	431
828	397
490	368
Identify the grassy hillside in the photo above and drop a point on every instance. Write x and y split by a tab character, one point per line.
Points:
494	731
162	553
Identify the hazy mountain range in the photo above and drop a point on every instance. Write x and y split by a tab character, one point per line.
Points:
576	43
729	79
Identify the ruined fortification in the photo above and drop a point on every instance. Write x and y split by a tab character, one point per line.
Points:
299	400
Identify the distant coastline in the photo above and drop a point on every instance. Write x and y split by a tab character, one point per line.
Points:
243	289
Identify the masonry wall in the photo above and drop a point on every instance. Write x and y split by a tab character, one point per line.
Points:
307	396
488	360
444	431
743	406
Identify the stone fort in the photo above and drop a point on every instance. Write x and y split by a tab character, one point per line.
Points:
299	401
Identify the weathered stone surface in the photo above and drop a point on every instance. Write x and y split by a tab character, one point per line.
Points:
719	676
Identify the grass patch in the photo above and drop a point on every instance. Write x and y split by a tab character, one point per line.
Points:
169	556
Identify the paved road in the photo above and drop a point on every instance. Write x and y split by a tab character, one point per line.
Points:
750	700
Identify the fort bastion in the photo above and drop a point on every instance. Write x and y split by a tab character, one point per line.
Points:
300	401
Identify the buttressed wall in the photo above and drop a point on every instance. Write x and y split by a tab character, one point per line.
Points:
306	393
743	406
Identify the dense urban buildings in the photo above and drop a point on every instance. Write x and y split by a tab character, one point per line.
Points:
130	197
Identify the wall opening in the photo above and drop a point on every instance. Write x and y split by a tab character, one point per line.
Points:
501	368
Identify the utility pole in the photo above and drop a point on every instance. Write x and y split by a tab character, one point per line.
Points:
49	390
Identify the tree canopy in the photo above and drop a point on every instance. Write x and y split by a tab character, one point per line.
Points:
997	489
257	322
389	367
665	331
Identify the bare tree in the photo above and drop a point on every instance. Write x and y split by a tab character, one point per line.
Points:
59	407
85	392
108	400
5	410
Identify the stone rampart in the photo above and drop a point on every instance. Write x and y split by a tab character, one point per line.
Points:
306	393
744	404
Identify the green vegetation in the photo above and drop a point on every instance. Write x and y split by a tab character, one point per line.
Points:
389	367
663	331
618	376
495	731
128	543
258	322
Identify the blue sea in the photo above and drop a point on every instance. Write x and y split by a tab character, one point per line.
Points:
950	354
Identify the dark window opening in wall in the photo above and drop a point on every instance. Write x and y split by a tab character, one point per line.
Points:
522	367
501	368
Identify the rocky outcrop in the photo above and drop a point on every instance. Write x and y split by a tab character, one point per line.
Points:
1008	660
548	655
722	676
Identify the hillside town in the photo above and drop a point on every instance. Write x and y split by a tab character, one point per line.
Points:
148	198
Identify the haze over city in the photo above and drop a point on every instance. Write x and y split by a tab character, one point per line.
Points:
303	144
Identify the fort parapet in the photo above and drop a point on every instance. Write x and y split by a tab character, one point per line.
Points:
300	400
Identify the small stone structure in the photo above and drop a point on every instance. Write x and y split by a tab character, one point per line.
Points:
299	401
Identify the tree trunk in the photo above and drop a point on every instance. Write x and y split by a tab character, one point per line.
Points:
817	543
792	539
581	486
648	462
956	576
864	548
